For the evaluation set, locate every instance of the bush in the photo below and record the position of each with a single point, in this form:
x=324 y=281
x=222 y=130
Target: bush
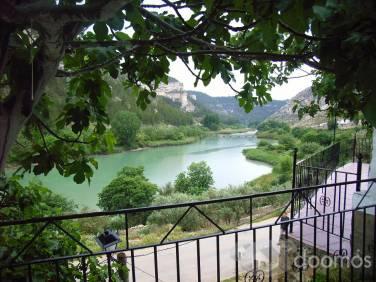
x=211 y=121
x=125 y=126
x=323 y=138
x=263 y=144
x=130 y=189
x=306 y=149
x=298 y=132
x=262 y=155
x=192 y=221
x=148 y=135
x=34 y=200
x=196 y=180
x=272 y=125
x=287 y=142
x=283 y=169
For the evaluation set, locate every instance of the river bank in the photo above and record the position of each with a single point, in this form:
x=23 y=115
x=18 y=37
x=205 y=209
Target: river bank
x=223 y=153
x=173 y=142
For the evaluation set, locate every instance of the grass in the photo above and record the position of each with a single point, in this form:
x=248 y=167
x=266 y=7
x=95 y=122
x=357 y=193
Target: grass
x=232 y=130
x=268 y=135
x=262 y=155
x=169 y=142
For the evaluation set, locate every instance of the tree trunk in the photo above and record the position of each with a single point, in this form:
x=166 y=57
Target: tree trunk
x=15 y=112
x=18 y=109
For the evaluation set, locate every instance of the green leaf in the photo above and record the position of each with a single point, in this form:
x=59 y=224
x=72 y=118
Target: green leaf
x=79 y=177
x=117 y=22
x=101 y=30
x=321 y=12
x=122 y=36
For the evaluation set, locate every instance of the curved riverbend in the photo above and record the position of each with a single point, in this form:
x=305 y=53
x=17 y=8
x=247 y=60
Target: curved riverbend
x=223 y=153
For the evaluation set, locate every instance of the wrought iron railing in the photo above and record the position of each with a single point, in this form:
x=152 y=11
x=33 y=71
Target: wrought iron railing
x=362 y=146
x=315 y=169
x=247 y=252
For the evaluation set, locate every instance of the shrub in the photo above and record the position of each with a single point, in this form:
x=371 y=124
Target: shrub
x=283 y=169
x=34 y=200
x=125 y=126
x=196 y=180
x=309 y=148
x=272 y=125
x=211 y=121
x=192 y=221
x=323 y=138
x=287 y=142
x=129 y=189
x=264 y=144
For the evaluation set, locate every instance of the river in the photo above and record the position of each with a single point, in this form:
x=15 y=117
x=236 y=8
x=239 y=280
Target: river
x=223 y=153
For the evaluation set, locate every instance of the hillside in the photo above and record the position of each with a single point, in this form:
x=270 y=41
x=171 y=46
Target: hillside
x=286 y=114
x=229 y=106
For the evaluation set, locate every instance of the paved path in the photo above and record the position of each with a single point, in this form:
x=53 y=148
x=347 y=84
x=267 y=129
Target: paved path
x=144 y=261
x=332 y=199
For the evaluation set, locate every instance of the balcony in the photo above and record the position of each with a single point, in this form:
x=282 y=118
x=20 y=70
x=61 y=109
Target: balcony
x=328 y=212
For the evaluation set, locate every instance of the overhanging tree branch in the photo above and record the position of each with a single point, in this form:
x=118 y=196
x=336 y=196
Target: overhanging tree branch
x=300 y=34
x=49 y=130
x=92 y=67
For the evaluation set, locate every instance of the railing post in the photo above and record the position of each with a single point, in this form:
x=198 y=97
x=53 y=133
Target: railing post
x=294 y=167
x=354 y=149
x=359 y=172
x=293 y=186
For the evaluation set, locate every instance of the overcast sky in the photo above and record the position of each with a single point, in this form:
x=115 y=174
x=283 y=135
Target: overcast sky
x=218 y=88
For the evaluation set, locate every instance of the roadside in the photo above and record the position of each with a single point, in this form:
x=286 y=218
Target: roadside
x=166 y=256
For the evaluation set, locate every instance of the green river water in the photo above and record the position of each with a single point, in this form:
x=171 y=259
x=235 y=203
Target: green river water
x=223 y=153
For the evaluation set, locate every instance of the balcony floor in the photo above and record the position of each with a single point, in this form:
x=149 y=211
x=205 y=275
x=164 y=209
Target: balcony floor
x=327 y=200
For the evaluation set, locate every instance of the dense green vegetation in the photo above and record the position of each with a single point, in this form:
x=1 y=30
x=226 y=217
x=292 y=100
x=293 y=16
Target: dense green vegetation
x=125 y=125
x=154 y=136
x=129 y=189
x=197 y=179
x=211 y=121
x=34 y=200
x=306 y=140
x=160 y=110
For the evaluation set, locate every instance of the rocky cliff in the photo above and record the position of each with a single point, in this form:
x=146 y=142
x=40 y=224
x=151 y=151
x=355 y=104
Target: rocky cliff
x=286 y=114
x=174 y=91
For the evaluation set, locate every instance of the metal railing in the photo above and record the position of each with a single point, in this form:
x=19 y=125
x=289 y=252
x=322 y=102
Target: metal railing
x=247 y=252
x=316 y=168
x=362 y=146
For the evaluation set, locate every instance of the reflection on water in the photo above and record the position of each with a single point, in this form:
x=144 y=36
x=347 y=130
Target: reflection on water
x=222 y=153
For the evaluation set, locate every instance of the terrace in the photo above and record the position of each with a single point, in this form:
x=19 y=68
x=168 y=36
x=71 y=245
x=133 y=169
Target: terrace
x=329 y=211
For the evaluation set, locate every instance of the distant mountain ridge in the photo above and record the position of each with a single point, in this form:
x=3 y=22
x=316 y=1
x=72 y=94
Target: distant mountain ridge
x=286 y=114
x=229 y=106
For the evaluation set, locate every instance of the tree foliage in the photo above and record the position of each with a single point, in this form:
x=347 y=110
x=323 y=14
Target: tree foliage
x=263 y=40
x=211 y=121
x=130 y=189
x=196 y=180
x=126 y=125
x=34 y=200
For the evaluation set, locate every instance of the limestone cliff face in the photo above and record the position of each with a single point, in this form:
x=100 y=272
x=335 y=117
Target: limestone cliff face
x=286 y=113
x=174 y=90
